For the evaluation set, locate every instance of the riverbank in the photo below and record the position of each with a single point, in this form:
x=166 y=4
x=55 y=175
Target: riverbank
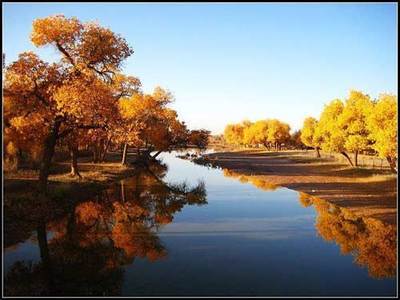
x=22 y=184
x=367 y=192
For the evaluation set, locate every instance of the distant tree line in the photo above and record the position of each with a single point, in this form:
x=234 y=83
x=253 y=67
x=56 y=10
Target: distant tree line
x=270 y=133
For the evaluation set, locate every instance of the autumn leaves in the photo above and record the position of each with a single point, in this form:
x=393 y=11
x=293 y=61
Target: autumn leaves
x=358 y=124
x=84 y=99
x=355 y=125
x=76 y=93
x=271 y=133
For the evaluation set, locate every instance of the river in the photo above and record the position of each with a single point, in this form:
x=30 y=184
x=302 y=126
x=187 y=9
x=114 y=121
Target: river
x=183 y=229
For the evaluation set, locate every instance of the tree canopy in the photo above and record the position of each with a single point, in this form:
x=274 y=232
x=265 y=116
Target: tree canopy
x=355 y=125
x=269 y=132
x=46 y=104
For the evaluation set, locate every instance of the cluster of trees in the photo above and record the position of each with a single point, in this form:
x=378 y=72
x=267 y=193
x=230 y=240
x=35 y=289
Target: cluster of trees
x=271 y=133
x=358 y=124
x=84 y=99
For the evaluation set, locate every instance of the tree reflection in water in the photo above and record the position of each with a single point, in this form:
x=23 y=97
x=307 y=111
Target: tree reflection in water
x=372 y=242
x=94 y=239
x=254 y=180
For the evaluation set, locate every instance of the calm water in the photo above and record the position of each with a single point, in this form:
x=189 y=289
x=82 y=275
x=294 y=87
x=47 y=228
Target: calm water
x=186 y=229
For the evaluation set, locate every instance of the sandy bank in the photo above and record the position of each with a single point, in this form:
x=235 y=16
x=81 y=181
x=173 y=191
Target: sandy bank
x=366 y=192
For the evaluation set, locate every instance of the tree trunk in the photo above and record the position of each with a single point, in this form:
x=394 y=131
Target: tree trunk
x=48 y=152
x=347 y=157
x=157 y=154
x=138 y=188
x=356 y=158
x=147 y=153
x=103 y=156
x=123 y=194
x=318 y=154
x=16 y=160
x=95 y=154
x=45 y=255
x=124 y=154
x=74 y=162
x=42 y=241
x=71 y=225
x=392 y=164
x=20 y=155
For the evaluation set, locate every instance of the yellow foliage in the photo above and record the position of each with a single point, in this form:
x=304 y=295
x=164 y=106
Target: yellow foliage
x=86 y=45
x=264 y=132
x=353 y=121
x=147 y=121
x=234 y=133
x=256 y=133
x=86 y=101
x=328 y=131
x=254 y=180
x=308 y=132
x=50 y=101
x=382 y=125
x=57 y=29
x=357 y=125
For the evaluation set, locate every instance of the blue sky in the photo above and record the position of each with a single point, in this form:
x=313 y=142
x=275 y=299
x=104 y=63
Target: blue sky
x=229 y=62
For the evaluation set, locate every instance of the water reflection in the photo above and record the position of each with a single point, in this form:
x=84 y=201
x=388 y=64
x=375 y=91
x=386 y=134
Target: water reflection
x=130 y=240
x=254 y=180
x=370 y=241
x=92 y=240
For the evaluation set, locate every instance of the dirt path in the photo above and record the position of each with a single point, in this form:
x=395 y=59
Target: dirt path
x=366 y=192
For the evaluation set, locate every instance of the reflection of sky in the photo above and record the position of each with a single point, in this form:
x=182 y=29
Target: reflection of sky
x=242 y=225
x=27 y=250
x=228 y=198
x=254 y=228
x=229 y=264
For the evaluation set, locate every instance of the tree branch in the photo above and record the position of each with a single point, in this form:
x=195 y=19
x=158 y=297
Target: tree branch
x=66 y=54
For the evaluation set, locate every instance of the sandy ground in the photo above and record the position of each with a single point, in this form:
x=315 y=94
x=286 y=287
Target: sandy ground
x=366 y=192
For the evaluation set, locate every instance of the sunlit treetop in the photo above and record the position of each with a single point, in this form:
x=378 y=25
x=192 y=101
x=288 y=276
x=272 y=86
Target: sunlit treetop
x=307 y=132
x=353 y=121
x=125 y=86
x=328 y=131
x=82 y=44
x=163 y=96
x=382 y=123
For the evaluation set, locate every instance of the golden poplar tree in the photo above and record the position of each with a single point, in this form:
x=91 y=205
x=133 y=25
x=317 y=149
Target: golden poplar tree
x=382 y=125
x=308 y=134
x=72 y=93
